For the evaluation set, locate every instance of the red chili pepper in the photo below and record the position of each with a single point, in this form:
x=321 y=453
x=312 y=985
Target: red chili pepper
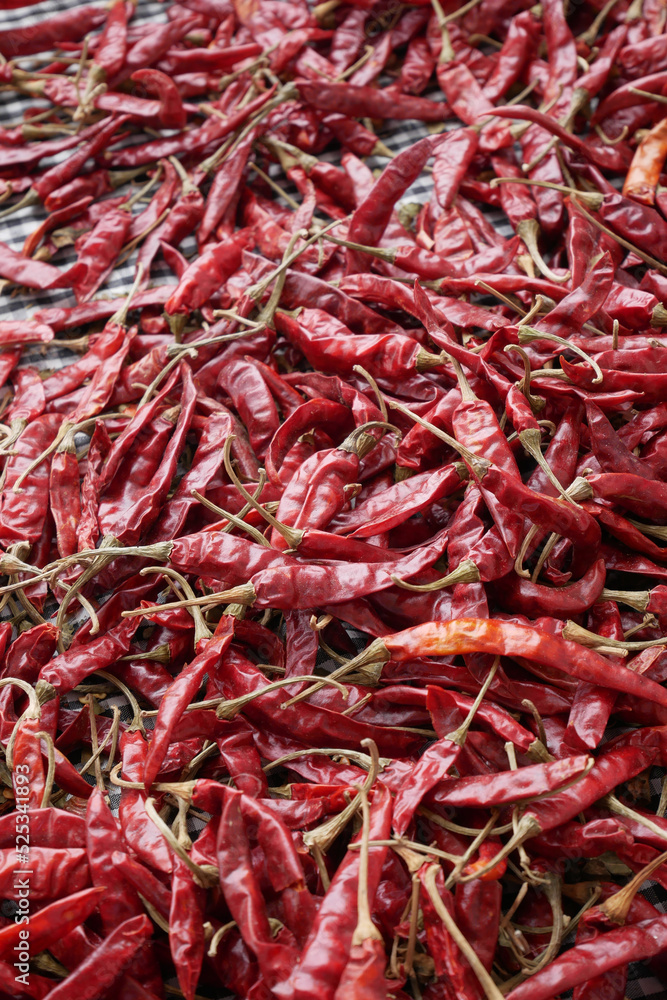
x=68 y=669
x=64 y=172
x=186 y=929
x=325 y=953
x=172 y=113
x=535 y=599
x=507 y=639
x=145 y=840
x=180 y=695
x=616 y=947
x=56 y=871
x=52 y=922
x=154 y=44
x=41 y=37
x=102 y=967
x=97 y=257
x=244 y=900
x=206 y=463
x=217 y=263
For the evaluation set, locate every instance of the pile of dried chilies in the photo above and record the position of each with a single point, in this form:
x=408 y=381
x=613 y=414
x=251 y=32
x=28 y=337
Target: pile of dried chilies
x=343 y=428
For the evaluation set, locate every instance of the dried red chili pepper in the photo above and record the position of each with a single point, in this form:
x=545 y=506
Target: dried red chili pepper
x=102 y=967
x=590 y=959
x=505 y=638
x=41 y=37
x=179 y=696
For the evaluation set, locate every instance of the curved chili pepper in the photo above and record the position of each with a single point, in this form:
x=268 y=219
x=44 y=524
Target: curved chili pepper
x=143 y=838
x=509 y=786
x=389 y=508
x=204 y=275
x=172 y=112
x=325 y=953
x=535 y=599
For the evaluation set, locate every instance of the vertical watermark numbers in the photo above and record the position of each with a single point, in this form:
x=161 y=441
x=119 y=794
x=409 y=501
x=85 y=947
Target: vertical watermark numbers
x=22 y=873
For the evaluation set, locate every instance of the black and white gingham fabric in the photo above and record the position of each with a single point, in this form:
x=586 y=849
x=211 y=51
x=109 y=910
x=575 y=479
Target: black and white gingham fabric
x=15 y=229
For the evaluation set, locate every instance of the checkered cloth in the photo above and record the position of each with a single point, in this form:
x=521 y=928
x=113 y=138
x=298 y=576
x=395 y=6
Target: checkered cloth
x=15 y=229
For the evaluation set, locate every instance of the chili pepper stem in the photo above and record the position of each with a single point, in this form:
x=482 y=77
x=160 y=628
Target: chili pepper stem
x=109 y=738
x=588 y=37
x=537 y=751
x=41 y=458
x=367 y=667
x=120 y=317
x=466 y=831
x=580 y=489
x=16 y=428
x=592 y=198
x=479 y=466
x=205 y=876
x=465 y=572
x=461 y=862
x=637 y=599
x=286 y=93
x=526 y=828
x=550 y=886
x=91 y=571
x=617 y=906
x=323 y=836
x=536 y=403
x=447 y=53
x=382 y=405
x=293 y=536
x=177 y=323
x=527 y=335
x=360 y=442
x=234 y=520
x=458 y=736
x=659 y=315
x=411 y=948
x=654 y=530
x=226 y=928
x=268 y=312
x=136 y=722
x=228 y=709
x=528 y=230
x=202 y=631
x=375 y=653
x=360 y=759
x=623 y=242
x=159 y=654
x=244 y=594
x=613 y=647
x=365 y=929
x=29 y=199
x=51 y=771
x=531 y=440
x=617 y=807
x=257 y=291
